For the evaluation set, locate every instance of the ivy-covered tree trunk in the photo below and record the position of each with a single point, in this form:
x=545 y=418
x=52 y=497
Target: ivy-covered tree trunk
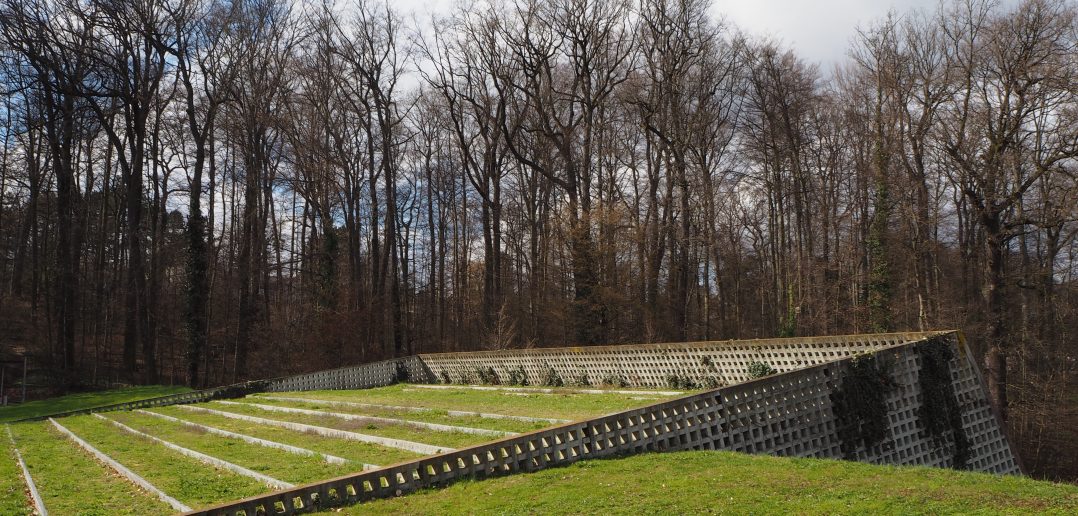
x=879 y=276
x=995 y=360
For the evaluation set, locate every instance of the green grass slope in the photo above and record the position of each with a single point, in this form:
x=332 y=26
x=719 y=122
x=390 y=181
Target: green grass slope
x=13 y=499
x=84 y=400
x=72 y=482
x=733 y=483
x=563 y=404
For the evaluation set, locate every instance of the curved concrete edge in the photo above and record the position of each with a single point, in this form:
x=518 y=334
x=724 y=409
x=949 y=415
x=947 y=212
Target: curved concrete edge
x=332 y=459
x=425 y=449
x=39 y=504
x=376 y=419
x=121 y=469
x=458 y=413
x=202 y=457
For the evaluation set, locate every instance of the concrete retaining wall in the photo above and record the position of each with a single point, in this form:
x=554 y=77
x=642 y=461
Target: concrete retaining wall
x=712 y=363
x=796 y=414
x=365 y=376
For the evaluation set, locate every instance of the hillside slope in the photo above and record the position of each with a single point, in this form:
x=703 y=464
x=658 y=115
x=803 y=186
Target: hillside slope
x=84 y=400
x=733 y=483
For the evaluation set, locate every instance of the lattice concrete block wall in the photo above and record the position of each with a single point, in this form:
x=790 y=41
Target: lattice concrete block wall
x=651 y=365
x=789 y=414
x=375 y=374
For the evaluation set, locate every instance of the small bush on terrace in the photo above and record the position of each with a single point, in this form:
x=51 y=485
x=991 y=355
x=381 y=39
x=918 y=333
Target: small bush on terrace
x=760 y=370
x=615 y=380
x=552 y=378
x=681 y=382
x=518 y=376
x=487 y=376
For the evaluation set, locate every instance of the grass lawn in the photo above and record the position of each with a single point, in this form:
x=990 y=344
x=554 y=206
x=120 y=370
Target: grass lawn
x=732 y=483
x=434 y=416
x=84 y=400
x=183 y=478
x=393 y=431
x=364 y=453
x=279 y=464
x=558 y=405
x=13 y=499
x=72 y=482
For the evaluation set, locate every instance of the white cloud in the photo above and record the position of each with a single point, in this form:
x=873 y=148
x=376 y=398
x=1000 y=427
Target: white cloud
x=819 y=31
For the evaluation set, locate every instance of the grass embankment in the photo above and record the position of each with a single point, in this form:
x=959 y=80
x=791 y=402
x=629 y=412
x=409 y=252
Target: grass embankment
x=562 y=405
x=183 y=478
x=352 y=450
x=433 y=416
x=392 y=431
x=733 y=483
x=71 y=481
x=279 y=464
x=85 y=400
x=13 y=499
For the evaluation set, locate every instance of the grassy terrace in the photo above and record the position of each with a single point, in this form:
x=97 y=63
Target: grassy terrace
x=563 y=404
x=279 y=464
x=351 y=450
x=732 y=483
x=393 y=431
x=434 y=416
x=85 y=400
x=71 y=481
x=183 y=478
x=13 y=499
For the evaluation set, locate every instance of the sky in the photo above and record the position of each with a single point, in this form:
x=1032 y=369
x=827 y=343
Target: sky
x=818 y=30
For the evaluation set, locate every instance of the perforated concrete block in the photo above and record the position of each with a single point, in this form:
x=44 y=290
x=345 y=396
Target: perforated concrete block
x=792 y=413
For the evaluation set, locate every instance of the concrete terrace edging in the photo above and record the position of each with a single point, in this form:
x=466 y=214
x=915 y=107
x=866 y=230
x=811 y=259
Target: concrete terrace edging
x=328 y=432
x=204 y=458
x=121 y=469
x=376 y=419
x=464 y=413
x=551 y=390
x=39 y=504
x=794 y=413
x=238 y=390
x=331 y=459
x=637 y=365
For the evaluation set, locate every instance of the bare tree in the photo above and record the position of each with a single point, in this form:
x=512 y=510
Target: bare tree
x=1004 y=130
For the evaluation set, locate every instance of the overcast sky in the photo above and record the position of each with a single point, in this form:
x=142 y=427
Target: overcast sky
x=819 y=30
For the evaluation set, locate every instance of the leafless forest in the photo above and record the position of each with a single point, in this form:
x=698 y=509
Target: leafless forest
x=206 y=191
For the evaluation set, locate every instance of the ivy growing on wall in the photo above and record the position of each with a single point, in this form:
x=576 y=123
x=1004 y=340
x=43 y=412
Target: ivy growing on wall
x=940 y=412
x=401 y=374
x=860 y=404
x=518 y=376
x=760 y=369
x=487 y=376
x=551 y=378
